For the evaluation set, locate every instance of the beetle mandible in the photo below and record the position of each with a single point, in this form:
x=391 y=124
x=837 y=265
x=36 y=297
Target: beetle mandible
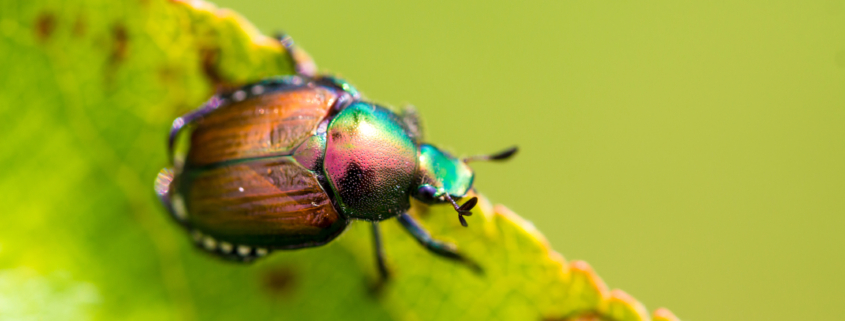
x=289 y=162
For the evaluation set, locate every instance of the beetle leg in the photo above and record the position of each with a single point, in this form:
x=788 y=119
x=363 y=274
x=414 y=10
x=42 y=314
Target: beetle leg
x=379 y=247
x=186 y=119
x=412 y=119
x=384 y=273
x=302 y=63
x=463 y=210
x=174 y=203
x=162 y=189
x=446 y=250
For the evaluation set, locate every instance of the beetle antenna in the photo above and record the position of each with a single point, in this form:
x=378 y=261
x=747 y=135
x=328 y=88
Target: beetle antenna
x=463 y=210
x=503 y=155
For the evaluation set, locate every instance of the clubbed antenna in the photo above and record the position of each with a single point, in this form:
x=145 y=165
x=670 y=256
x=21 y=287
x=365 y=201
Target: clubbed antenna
x=503 y=155
x=463 y=210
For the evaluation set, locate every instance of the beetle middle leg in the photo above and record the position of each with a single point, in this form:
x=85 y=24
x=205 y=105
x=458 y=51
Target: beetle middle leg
x=443 y=249
x=384 y=273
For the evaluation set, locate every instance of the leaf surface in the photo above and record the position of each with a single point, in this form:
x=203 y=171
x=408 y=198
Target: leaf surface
x=89 y=89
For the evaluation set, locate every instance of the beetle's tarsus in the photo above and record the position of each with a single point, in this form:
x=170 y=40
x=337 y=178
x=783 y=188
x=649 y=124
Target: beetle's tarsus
x=443 y=249
x=375 y=288
x=470 y=204
x=463 y=210
x=302 y=64
x=474 y=267
x=283 y=38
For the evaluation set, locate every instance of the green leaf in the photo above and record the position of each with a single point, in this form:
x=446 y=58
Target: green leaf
x=88 y=93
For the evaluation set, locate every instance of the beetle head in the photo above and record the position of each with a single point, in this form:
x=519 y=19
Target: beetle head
x=440 y=176
x=443 y=178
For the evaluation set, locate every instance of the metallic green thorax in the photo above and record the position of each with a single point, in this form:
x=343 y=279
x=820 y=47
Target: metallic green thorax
x=444 y=172
x=371 y=161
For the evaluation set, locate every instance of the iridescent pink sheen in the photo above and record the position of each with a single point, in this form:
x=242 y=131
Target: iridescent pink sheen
x=370 y=161
x=311 y=152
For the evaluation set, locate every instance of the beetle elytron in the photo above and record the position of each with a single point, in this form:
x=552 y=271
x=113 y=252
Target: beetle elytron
x=288 y=162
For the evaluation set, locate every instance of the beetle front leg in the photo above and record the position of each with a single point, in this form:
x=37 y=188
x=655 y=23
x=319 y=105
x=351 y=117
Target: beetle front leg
x=302 y=63
x=446 y=250
x=412 y=119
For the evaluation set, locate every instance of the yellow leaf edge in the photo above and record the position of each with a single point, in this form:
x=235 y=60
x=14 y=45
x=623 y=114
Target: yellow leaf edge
x=613 y=304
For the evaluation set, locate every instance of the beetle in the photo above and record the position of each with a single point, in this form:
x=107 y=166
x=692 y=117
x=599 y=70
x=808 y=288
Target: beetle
x=288 y=162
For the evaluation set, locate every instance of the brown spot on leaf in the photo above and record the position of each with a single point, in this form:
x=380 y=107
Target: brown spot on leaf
x=45 y=25
x=167 y=74
x=279 y=281
x=120 y=42
x=209 y=58
x=118 y=48
x=80 y=26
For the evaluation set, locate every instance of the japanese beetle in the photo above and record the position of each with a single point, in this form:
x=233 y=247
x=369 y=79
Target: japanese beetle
x=289 y=162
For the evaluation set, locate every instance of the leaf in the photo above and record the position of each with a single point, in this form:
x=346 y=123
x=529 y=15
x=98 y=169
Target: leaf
x=88 y=93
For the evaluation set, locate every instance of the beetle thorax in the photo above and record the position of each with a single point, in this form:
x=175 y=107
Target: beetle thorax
x=371 y=162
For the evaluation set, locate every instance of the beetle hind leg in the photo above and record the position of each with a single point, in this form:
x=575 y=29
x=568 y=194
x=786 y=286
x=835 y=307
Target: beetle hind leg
x=174 y=203
x=443 y=249
x=162 y=188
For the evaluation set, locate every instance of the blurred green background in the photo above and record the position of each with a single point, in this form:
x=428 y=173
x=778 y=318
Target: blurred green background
x=693 y=153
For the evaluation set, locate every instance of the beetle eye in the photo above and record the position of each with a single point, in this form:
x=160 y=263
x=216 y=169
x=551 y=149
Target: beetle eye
x=427 y=192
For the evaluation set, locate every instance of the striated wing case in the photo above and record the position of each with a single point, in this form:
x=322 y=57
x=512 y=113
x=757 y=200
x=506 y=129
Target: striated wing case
x=241 y=182
x=271 y=124
x=272 y=202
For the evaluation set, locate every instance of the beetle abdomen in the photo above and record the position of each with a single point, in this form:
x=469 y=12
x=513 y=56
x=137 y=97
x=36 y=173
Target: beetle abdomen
x=270 y=124
x=271 y=202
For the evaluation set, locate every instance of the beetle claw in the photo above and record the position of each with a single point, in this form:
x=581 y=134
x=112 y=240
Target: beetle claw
x=463 y=210
x=468 y=205
x=463 y=221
